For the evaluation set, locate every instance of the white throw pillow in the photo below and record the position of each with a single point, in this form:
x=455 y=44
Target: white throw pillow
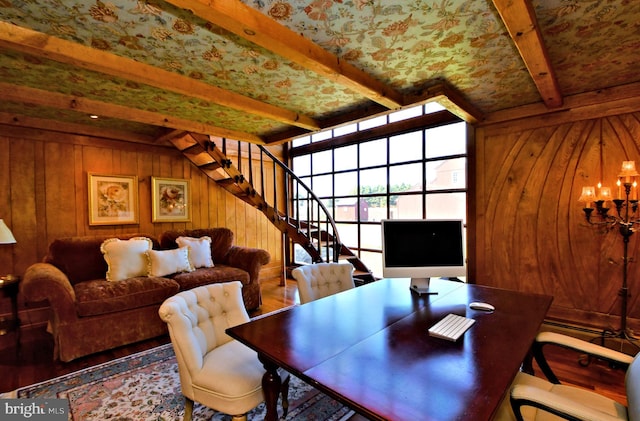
x=126 y=258
x=200 y=250
x=166 y=262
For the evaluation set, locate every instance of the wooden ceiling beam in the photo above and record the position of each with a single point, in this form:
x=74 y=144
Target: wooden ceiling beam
x=616 y=100
x=41 y=45
x=250 y=24
x=442 y=93
x=350 y=117
x=170 y=135
x=520 y=20
x=32 y=96
x=445 y=95
x=18 y=120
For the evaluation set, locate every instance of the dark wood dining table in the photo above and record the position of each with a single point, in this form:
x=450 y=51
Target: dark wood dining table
x=369 y=348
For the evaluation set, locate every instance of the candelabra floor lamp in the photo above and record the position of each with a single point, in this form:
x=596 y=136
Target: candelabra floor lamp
x=626 y=208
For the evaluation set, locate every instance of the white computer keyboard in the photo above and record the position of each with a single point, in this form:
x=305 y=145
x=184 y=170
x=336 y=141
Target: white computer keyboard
x=451 y=327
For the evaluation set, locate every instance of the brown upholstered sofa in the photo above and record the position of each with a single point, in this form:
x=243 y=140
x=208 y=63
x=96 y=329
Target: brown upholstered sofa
x=90 y=313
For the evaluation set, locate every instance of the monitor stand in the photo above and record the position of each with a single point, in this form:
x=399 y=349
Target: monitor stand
x=421 y=286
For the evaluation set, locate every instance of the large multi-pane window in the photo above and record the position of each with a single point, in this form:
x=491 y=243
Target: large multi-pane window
x=412 y=174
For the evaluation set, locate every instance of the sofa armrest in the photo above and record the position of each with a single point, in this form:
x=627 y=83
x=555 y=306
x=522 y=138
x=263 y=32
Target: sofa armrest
x=44 y=281
x=249 y=259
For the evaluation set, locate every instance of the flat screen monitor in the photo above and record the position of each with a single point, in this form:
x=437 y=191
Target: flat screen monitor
x=421 y=249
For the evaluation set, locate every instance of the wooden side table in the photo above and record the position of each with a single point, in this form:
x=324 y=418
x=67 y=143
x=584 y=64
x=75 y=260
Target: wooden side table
x=9 y=288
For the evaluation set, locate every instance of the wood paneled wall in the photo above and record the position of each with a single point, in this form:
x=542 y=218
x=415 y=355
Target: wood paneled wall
x=531 y=230
x=43 y=192
x=527 y=174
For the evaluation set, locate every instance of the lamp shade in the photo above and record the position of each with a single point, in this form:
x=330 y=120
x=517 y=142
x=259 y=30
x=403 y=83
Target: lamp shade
x=605 y=193
x=628 y=169
x=6 y=236
x=588 y=194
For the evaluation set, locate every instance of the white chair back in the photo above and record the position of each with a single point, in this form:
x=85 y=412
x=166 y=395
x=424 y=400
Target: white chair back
x=632 y=386
x=322 y=279
x=197 y=320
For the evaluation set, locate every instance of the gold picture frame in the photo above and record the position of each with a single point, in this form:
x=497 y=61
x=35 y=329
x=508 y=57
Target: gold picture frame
x=113 y=199
x=171 y=199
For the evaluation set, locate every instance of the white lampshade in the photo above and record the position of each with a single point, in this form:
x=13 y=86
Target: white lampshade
x=605 y=193
x=628 y=169
x=588 y=194
x=6 y=236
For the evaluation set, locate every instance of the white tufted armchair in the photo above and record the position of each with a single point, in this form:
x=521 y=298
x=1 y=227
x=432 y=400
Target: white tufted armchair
x=215 y=370
x=322 y=279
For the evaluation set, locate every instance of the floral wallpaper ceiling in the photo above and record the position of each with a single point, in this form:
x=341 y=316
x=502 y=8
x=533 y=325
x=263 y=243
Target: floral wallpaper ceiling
x=405 y=44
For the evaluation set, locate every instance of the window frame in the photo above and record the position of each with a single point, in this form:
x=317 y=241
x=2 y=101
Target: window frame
x=386 y=131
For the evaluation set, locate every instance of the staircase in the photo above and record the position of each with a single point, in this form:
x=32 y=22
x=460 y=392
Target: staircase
x=302 y=218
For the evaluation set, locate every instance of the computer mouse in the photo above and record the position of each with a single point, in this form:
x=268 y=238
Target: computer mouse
x=481 y=306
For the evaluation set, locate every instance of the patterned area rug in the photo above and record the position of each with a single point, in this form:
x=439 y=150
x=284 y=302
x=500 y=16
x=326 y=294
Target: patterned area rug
x=146 y=386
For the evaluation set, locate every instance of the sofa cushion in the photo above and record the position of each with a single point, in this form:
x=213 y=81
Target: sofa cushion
x=204 y=276
x=199 y=250
x=101 y=296
x=221 y=240
x=166 y=262
x=80 y=258
x=126 y=258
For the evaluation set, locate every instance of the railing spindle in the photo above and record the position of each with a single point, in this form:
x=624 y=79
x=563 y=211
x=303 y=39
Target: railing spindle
x=286 y=199
x=275 y=190
x=319 y=229
x=309 y=215
x=261 y=172
x=250 y=162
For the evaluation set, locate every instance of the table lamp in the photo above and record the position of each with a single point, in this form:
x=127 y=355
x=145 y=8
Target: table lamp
x=6 y=237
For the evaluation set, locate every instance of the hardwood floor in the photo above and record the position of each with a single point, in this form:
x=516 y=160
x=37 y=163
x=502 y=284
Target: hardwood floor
x=34 y=363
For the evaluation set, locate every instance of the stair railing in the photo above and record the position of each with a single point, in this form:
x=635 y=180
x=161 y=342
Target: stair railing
x=317 y=225
x=314 y=230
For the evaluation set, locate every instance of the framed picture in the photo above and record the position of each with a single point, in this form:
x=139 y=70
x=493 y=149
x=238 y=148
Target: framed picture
x=170 y=197
x=113 y=199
